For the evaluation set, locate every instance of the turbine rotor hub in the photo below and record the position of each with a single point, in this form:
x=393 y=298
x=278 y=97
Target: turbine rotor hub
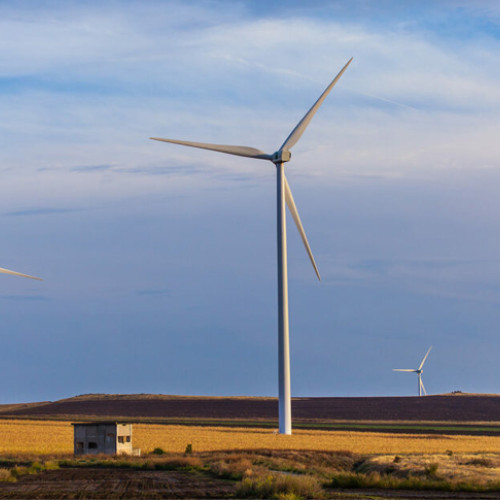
x=281 y=156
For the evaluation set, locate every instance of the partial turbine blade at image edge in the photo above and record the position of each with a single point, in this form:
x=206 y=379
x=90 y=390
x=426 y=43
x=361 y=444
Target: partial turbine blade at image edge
x=297 y=132
x=425 y=357
x=403 y=370
x=7 y=271
x=295 y=214
x=245 y=151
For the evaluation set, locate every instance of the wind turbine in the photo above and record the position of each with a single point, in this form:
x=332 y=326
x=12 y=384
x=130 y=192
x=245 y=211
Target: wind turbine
x=418 y=371
x=284 y=195
x=8 y=271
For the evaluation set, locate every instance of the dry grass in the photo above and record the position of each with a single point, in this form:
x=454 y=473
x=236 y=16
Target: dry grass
x=287 y=474
x=5 y=475
x=175 y=438
x=56 y=438
x=32 y=437
x=462 y=467
x=278 y=486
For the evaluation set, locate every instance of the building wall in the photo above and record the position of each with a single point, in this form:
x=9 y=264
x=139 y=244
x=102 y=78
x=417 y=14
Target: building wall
x=103 y=438
x=124 y=439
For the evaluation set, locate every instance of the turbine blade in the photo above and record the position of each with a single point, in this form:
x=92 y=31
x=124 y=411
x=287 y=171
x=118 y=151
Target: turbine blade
x=402 y=370
x=295 y=214
x=7 y=271
x=221 y=148
x=297 y=132
x=425 y=357
x=422 y=385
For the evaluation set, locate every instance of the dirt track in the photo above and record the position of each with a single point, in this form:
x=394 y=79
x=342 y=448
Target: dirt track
x=456 y=408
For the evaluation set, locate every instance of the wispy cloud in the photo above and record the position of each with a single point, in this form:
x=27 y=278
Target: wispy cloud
x=153 y=291
x=90 y=168
x=247 y=79
x=476 y=280
x=27 y=298
x=41 y=211
x=169 y=170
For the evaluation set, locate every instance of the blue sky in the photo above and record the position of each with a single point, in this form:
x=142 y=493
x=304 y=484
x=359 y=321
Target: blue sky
x=159 y=262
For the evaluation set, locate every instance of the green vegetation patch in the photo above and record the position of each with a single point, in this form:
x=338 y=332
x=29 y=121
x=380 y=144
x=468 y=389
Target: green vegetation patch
x=280 y=486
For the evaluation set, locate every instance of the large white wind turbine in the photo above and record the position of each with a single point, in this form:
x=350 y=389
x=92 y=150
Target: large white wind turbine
x=8 y=271
x=284 y=195
x=418 y=371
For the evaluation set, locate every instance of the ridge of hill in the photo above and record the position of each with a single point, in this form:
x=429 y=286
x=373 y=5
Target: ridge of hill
x=21 y=406
x=145 y=396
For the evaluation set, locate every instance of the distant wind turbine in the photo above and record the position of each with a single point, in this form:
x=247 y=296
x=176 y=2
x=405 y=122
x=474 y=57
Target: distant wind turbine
x=418 y=371
x=284 y=195
x=7 y=271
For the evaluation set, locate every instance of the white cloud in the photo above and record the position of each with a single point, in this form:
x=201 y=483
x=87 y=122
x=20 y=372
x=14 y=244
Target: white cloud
x=94 y=82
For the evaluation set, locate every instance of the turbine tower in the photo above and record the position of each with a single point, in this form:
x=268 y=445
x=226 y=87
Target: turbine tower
x=418 y=371
x=284 y=195
x=7 y=271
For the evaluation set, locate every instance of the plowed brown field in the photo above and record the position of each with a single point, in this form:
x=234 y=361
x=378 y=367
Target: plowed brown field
x=450 y=408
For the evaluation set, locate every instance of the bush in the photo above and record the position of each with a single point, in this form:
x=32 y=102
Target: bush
x=279 y=486
x=35 y=468
x=17 y=472
x=5 y=475
x=189 y=449
x=480 y=462
x=431 y=470
x=346 y=480
x=179 y=463
x=51 y=465
x=235 y=469
x=158 y=451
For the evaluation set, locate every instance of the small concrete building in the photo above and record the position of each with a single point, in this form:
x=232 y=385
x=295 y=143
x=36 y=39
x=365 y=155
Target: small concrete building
x=113 y=438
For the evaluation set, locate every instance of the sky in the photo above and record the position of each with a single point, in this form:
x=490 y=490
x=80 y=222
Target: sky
x=159 y=262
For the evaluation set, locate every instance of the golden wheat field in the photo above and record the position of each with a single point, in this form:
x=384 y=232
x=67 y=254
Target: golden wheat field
x=56 y=438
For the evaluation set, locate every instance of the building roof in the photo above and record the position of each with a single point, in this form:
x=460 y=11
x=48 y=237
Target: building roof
x=101 y=423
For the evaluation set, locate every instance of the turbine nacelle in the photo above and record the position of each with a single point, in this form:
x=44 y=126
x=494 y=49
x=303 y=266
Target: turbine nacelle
x=281 y=156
